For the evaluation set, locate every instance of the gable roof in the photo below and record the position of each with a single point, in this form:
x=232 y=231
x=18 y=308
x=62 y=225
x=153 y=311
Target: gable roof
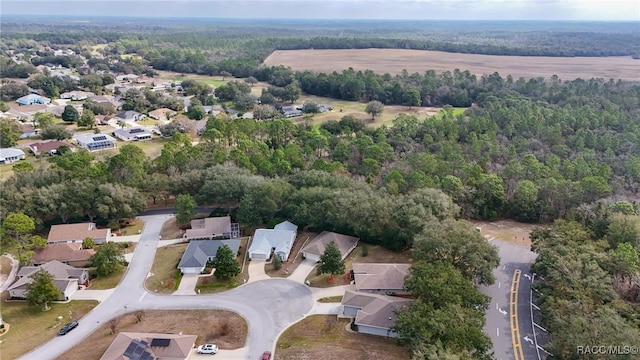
x=318 y=245
x=375 y=310
x=62 y=252
x=199 y=251
x=11 y=152
x=91 y=138
x=47 y=146
x=172 y=346
x=161 y=113
x=128 y=114
x=66 y=232
x=209 y=226
x=58 y=270
x=375 y=276
x=281 y=240
x=133 y=131
x=286 y=225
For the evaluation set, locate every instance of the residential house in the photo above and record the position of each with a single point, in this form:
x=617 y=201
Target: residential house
x=76 y=233
x=68 y=253
x=102 y=119
x=379 y=278
x=162 y=114
x=114 y=101
x=130 y=115
x=324 y=108
x=278 y=240
x=212 y=228
x=149 y=346
x=48 y=147
x=199 y=252
x=95 y=142
x=77 y=95
x=33 y=99
x=373 y=314
x=133 y=134
x=291 y=111
x=66 y=278
x=127 y=77
x=10 y=155
x=316 y=247
x=27 y=112
x=28 y=130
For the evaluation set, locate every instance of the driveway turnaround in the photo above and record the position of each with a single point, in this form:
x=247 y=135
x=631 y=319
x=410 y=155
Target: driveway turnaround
x=269 y=306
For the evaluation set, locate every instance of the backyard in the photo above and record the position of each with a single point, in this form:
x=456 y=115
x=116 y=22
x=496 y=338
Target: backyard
x=326 y=337
x=226 y=329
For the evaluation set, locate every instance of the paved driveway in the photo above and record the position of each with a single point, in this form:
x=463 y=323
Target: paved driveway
x=302 y=271
x=187 y=285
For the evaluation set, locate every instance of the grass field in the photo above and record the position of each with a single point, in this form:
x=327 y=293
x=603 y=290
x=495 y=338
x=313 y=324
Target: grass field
x=31 y=327
x=165 y=275
x=226 y=329
x=325 y=337
x=393 y=61
x=109 y=281
x=214 y=81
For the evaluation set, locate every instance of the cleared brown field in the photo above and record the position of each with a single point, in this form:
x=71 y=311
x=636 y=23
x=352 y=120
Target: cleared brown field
x=393 y=61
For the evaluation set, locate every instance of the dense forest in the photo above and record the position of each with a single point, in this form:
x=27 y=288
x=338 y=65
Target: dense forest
x=535 y=150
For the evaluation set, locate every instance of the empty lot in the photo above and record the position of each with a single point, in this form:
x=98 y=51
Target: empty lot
x=392 y=61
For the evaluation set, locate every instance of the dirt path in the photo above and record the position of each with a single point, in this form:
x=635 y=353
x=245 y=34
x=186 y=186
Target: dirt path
x=507 y=230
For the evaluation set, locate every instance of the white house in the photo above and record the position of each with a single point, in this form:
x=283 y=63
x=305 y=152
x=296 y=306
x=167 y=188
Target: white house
x=95 y=142
x=77 y=95
x=10 y=155
x=373 y=314
x=316 y=247
x=278 y=240
x=199 y=252
x=133 y=134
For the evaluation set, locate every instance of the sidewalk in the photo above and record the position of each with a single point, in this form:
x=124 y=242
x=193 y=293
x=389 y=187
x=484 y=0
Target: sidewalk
x=99 y=295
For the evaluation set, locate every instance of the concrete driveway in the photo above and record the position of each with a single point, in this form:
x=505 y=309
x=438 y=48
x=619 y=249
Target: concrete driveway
x=187 y=285
x=6 y=282
x=302 y=271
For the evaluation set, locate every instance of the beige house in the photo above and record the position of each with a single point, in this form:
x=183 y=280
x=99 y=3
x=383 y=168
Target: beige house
x=212 y=228
x=66 y=278
x=378 y=278
x=316 y=247
x=69 y=253
x=76 y=233
x=373 y=314
x=129 y=345
x=162 y=114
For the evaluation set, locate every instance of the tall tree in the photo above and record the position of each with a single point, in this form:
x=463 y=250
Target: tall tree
x=42 y=289
x=185 y=209
x=87 y=119
x=225 y=263
x=331 y=261
x=70 y=114
x=16 y=230
x=107 y=259
x=10 y=132
x=374 y=108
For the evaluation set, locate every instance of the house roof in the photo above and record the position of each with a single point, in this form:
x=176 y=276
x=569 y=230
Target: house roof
x=47 y=146
x=286 y=225
x=318 y=245
x=198 y=251
x=33 y=97
x=375 y=276
x=80 y=231
x=209 y=226
x=161 y=113
x=57 y=269
x=158 y=346
x=10 y=152
x=132 y=132
x=62 y=252
x=89 y=138
x=266 y=239
x=28 y=128
x=128 y=114
x=375 y=310
x=30 y=109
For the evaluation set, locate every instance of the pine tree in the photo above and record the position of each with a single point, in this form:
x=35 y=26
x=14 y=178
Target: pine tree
x=41 y=289
x=331 y=261
x=225 y=263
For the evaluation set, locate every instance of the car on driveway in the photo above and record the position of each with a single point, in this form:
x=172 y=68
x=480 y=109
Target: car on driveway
x=68 y=327
x=208 y=349
x=266 y=355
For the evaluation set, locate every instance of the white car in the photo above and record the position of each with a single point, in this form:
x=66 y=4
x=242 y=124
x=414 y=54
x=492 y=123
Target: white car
x=208 y=349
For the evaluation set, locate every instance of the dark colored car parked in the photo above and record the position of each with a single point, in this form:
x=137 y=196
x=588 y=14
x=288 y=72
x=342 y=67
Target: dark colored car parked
x=68 y=327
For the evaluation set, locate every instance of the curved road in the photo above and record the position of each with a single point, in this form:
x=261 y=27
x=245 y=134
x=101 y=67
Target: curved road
x=269 y=306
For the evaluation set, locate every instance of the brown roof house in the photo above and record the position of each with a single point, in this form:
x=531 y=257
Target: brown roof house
x=48 y=147
x=76 y=233
x=69 y=253
x=316 y=247
x=67 y=278
x=372 y=313
x=212 y=228
x=162 y=114
x=377 y=278
x=149 y=346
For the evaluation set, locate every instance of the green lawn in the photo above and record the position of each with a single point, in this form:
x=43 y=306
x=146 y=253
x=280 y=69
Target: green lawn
x=149 y=121
x=30 y=327
x=109 y=281
x=166 y=276
x=152 y=148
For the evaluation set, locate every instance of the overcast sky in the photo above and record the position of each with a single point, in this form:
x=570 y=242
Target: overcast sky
x=338 y=9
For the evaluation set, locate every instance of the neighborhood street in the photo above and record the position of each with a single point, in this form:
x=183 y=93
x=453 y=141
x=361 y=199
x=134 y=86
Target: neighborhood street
x=269 y=306
x=513 y=257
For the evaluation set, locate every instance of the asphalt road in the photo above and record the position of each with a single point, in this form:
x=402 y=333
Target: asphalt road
x=512 y=257
x=269 y=306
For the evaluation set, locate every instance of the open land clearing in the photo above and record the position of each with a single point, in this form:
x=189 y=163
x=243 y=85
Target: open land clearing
x=393 y=61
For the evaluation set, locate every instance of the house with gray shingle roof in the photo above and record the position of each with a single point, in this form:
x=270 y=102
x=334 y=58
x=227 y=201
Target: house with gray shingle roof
x=373 y=314
x=378 y=278
x=316 y=247
x=199 y=252
x=66 y=278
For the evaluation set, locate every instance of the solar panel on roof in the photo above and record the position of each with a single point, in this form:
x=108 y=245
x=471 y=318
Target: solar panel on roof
x=98 y=138
x=160 y=342
x=135 y=349
x=146 y=356
x=135 y=131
